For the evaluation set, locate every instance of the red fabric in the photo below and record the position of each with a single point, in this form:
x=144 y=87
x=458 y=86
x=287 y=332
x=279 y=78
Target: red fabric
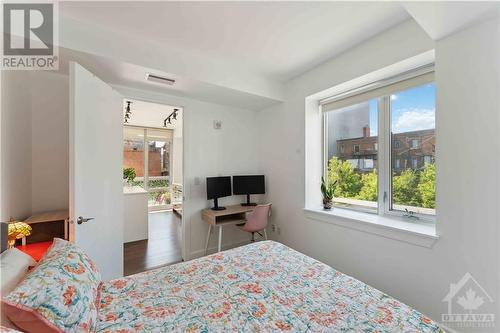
x=36 y=250
x=27 y=319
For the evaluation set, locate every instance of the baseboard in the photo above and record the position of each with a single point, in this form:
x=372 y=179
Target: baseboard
x=213 y=249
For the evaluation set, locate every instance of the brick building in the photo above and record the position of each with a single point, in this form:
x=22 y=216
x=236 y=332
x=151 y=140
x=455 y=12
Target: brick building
x=158 y=161
x=409 y=150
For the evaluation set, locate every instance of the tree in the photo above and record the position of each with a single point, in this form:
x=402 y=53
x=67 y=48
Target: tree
x=404 y=188
x=369 y=191
x=348 y=182
x=427 y=186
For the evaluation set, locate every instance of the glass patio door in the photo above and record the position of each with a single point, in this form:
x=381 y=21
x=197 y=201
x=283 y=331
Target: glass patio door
x=148 y=151
x=159 y=144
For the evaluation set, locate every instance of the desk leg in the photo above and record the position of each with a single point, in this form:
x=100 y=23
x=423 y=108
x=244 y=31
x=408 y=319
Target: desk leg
x=220 y=239
x=208 y=238
x=66 y=236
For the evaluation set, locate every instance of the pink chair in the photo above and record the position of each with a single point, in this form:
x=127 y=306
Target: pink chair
x=257 y=221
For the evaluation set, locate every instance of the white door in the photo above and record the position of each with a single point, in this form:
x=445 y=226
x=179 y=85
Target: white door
x=96 y=170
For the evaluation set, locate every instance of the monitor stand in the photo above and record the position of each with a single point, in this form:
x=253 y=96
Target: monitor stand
x=216 y=205
x=248 y=203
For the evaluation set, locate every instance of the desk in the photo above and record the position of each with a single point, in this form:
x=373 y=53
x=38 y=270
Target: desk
x=234 y=214
x=48 y=217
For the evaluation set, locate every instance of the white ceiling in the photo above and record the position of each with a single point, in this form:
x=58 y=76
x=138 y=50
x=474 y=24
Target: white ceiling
x=152 y=114
x=276 y=39
x=441 y=18
x=235 y=53
x=123 y=74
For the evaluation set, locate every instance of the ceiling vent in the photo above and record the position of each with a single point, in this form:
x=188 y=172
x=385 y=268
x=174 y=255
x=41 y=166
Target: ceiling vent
x=159 y=79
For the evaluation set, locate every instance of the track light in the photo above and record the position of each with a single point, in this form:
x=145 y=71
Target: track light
x=171 y=116
x=128 y=112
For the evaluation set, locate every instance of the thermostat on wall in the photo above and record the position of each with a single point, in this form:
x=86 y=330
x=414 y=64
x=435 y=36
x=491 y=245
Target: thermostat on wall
x=217 y=124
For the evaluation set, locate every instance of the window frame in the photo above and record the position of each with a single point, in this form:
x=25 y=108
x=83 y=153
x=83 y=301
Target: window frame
x=384 y=202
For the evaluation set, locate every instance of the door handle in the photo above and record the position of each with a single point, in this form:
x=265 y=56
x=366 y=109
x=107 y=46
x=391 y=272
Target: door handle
x=82 y=219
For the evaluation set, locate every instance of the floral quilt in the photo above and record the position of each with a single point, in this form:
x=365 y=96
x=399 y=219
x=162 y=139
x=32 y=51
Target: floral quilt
x=261 y=287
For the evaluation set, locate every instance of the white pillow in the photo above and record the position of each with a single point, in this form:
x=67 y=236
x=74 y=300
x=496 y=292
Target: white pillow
x=14 y=265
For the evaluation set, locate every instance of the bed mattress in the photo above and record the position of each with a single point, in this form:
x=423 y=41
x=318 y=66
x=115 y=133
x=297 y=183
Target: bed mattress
x=261 y=287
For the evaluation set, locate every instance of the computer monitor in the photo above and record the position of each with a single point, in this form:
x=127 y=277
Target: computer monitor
x=218 y=187
x=249 y=185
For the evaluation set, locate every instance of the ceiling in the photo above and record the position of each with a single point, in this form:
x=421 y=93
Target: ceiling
x=279 y=40
x=240 y=54
x=123 y=74
x=152 y=114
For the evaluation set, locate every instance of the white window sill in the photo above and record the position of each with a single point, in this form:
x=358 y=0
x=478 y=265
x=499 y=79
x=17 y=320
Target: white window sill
x=417 y=232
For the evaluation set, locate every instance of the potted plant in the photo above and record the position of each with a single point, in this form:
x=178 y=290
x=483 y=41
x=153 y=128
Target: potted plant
x=327 y=190
x=128 y=175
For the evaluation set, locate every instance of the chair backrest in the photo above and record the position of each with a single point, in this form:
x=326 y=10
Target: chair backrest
x=258 y=219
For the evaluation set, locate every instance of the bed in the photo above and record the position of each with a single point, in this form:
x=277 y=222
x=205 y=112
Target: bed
x=261 y=287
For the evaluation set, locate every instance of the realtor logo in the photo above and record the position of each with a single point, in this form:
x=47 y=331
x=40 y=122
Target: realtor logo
x=466 y=299
x=29 y=36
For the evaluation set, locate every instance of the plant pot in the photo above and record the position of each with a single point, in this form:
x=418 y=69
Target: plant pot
x=327 y=204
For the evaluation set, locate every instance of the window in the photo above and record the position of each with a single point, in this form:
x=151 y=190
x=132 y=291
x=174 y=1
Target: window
x=413 y=117
x=159 y=155
x=414 y=163
x=133 y=153
x=397 y=175
x=414 y=143
x=151 y=165
x=355 y=172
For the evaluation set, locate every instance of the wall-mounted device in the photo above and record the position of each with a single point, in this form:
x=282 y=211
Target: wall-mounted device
x=159 y=79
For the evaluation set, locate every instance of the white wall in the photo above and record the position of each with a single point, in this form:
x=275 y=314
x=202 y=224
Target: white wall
x=209 y=152
x=467 y=160
x=16 y=145
x=34 y=143
x=50 y=141
x=177 y=155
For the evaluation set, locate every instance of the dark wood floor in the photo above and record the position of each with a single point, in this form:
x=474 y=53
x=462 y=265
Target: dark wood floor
x=162 y=248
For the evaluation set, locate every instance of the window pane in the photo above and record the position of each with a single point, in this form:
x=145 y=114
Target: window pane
x=352 y=150
x=412 y=150
x=133 y=154
x=159 y=145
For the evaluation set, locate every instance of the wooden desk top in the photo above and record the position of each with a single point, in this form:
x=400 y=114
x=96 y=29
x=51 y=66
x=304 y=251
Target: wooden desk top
x=238 y=211
x=232 y=209
x=60 y=215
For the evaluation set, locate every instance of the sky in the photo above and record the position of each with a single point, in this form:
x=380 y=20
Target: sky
x=412 y=110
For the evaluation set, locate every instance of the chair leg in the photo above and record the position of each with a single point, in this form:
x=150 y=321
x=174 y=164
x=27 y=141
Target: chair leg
x=253 y=237
x=265 y=234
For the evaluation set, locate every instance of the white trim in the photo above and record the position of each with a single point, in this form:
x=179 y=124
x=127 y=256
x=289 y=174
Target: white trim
x=416 y=233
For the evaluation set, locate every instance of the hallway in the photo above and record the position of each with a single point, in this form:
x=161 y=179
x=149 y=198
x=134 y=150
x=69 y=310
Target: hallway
x=162 y=248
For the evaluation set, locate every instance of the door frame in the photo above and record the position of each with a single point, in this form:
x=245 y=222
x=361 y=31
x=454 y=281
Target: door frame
x=185 y=230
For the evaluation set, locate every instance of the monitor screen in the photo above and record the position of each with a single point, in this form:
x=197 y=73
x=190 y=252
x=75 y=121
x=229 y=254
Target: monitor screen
x=249 y=184
x=218 y=187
